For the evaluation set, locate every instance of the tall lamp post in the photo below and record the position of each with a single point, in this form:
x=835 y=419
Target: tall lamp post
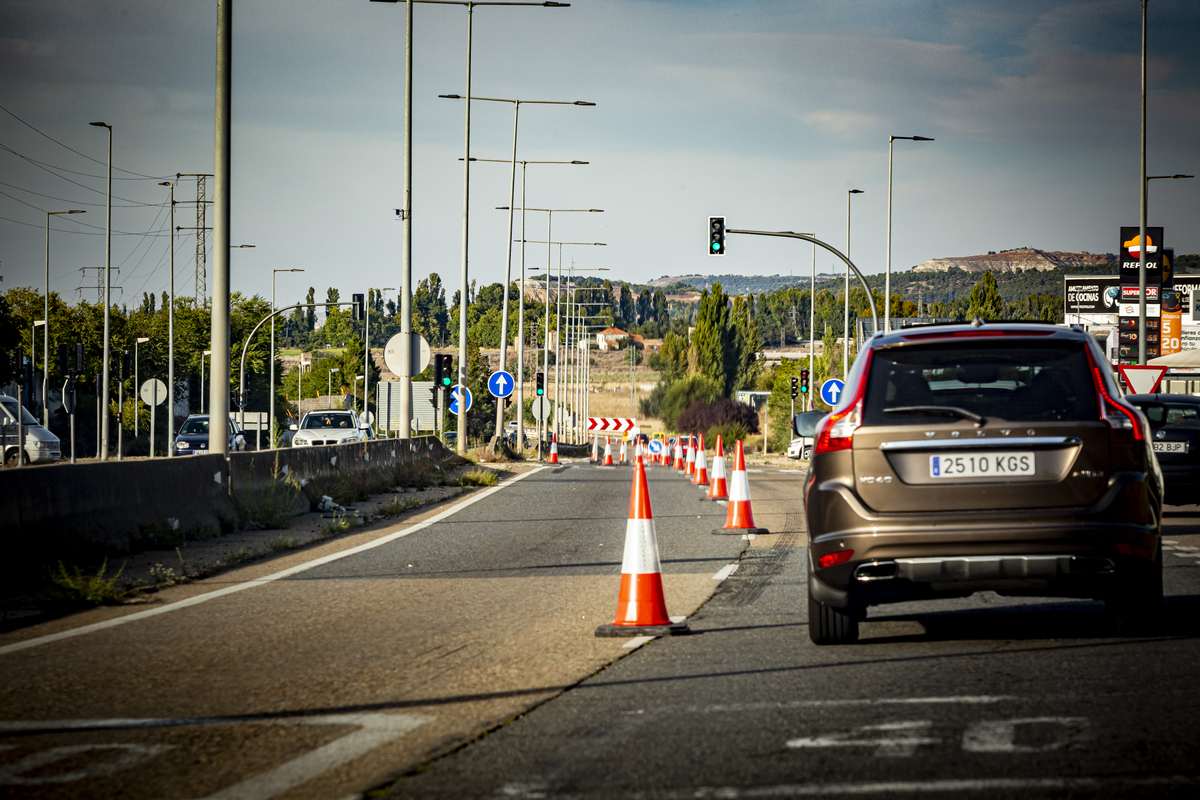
x=137 y=385
x=871 y=300
x=104 y=370
x=367 y=348
x=271 y=410
x=887 y=272
x=202 y=355
x=46 y=333
x=37 y=323
x=512 y=188
x=171 y=325
x=1142 y=257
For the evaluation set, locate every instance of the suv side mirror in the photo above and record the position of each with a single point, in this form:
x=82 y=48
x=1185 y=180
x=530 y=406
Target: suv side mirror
x=293 y=427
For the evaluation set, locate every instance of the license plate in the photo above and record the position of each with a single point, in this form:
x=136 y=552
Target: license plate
x=1170 y=447
x=980 y=465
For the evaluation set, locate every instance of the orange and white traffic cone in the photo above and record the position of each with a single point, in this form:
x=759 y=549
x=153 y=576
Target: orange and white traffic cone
x=607 y=452
x=641 y=606
x=623 y=459
x=595 y=449
x=717 y=489
x=701 y=476
x=739 y=518
x=678 y=454
x=553 y=459
x=690 y=458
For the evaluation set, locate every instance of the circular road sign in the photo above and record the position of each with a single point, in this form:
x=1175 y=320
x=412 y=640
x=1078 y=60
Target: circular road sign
x=831 y=391
x=656 y=446
x=541 y=409
x=153 y=392
x=501 y=383
x=420 y=354
x=454 y=390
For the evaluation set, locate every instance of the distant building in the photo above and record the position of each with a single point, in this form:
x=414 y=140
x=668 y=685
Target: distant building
x=607 y=338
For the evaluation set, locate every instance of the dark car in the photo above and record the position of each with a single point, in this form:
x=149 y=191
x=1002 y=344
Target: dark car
x=192 y=436
x=989 y=456
x=1175 y=435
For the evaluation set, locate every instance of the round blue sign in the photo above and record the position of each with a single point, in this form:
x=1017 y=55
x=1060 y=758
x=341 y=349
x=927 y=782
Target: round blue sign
x=454 y=398
x=831 y=391
x=501 y=383
x=656 y=446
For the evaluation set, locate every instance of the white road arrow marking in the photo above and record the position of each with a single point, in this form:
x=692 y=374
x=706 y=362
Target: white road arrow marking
x=890 y=740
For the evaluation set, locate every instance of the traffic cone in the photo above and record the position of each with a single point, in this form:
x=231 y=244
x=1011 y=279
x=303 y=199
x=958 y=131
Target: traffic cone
x=607 y=452
x=622 y=462
x=690 y=458
x=739 y=518
x=553 y=449
x=595 y=449
x=641 y=607
x=678 y=453
x=717 y=489
x=701 y=476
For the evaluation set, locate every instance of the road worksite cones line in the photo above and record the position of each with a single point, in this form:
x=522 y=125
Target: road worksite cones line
x=717 y=490
x=624 y=460
x=607 y=452
x=701 y=476
x=678 y=454
x=690 y=460
x=739 y=518
x=595 y=449
x=641 y=606
x=553 y=449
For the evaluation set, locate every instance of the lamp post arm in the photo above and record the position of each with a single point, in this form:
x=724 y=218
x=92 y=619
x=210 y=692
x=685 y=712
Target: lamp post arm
x=830 y=248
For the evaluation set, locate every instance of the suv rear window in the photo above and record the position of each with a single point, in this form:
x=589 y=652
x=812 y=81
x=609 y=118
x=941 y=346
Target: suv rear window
x=1182 y=415
x=1029 y=381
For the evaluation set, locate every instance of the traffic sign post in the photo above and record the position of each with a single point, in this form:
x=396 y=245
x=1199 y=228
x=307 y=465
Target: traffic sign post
x=831 y=391
x=611 y=424
x=1142 y=379
x=152 y=393
x=454 y=395
x=501 y=384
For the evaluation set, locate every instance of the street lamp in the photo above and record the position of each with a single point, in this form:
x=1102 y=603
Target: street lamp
x=521 y=292
x=1142 y=244
x=367 y=342
x=271 y=410
x=887 y=274
x=171 y=323
x=107 y=302
x=512 y=185
x=202 y=355
x=354 y=389
x=329 y=391
x=46 y=333
x=37 y=323
x=871 y=300
x=137 y=386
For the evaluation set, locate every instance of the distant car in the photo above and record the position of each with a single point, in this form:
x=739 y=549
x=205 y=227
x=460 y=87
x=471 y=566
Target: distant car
x=1175 y=436
x=804 y=426
x=192 y=436
x=329 y=427
x=41 y=446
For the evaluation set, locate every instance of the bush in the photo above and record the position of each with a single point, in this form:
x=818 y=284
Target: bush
x=682 y=394
x=729 y=415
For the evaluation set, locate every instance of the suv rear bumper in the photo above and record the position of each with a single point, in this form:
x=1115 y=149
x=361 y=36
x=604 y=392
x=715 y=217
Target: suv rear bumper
x=1069 y=552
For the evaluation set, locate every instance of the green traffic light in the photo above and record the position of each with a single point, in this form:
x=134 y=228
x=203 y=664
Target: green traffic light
x=716 y=245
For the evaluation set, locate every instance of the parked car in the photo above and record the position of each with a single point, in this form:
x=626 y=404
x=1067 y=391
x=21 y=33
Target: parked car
x=40 y=446
x=804 y=427
x=1175 y=435
x=329 y=427
x=989 y=456
x=192 y=436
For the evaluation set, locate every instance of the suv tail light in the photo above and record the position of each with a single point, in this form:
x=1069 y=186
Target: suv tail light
x=836 y=431
x=1124 y=420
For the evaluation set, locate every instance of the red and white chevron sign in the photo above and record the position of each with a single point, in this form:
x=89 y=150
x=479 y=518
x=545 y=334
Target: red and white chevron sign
x=613 y=424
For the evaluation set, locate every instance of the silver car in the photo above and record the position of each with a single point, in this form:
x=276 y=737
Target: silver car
x=329 y=427
x=41 y=446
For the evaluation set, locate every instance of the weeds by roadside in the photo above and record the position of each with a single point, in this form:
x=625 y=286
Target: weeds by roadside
x=164 y=574
x=281 y=543
x=339 y=524
x=398 y=506
x=94 y=589
x=478 y=477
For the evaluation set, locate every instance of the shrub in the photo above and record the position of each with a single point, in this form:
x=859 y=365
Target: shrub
x=729 y=415
x=682 y=394
x=94 y=589
x=478 y=477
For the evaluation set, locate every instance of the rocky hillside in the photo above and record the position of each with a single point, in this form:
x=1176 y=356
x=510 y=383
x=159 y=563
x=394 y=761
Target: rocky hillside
x=1020 y=259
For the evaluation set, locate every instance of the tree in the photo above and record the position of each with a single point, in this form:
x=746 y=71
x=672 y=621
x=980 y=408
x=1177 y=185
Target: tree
x=310 y=314
x=714 y=340
x=985 y=301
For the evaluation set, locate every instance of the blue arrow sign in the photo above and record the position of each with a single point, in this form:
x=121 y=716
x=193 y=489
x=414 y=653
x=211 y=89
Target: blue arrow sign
x=655 y=446
x=454 y=398
x=831 y=391
x=501 y=383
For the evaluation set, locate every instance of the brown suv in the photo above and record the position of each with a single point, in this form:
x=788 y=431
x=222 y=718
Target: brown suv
x=963 y=458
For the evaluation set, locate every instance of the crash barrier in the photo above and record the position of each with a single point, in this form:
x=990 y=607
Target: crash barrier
x=81 y=513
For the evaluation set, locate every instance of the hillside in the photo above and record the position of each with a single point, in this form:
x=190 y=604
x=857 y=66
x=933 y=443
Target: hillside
x=1021 y=259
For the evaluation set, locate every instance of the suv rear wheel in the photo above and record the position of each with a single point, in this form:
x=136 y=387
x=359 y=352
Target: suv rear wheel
x=829 y=625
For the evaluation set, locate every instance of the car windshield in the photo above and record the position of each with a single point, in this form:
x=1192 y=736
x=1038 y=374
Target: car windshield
x=806 y=423
x=194 y=426
x=314 y=421
x=10 y=405
x=1029 y=381
x=1173 y=415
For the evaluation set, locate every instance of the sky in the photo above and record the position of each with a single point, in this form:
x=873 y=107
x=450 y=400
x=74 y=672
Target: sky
x=764 y=111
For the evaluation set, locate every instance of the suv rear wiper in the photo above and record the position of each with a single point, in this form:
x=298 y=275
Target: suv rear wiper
x=952 y=410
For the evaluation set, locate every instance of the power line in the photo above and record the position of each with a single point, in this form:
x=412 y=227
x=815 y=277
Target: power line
x=76 y=152
x=72 y=202
x=47 y=168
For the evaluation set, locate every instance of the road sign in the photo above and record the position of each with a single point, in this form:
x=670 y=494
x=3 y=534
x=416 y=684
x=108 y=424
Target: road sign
x=611 y=424
x=454 y=390
x=831 y=391
x=153 y=392
x=1142 y=380
x=501 y=383
x=541 y=409
x=656 y=446
x=420 y=354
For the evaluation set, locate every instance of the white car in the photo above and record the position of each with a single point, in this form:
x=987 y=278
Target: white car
x=333 y=426
x=804 y=428
x=41 y=446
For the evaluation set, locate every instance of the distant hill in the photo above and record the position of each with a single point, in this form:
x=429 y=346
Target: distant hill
x=1020 y=259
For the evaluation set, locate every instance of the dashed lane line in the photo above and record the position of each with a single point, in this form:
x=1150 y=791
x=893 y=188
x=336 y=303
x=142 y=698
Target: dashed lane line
x=317 y=562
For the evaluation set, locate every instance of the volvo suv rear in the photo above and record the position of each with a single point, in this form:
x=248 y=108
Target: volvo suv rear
x=989 y=456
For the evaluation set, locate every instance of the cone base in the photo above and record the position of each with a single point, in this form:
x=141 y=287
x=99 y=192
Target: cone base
x=740 y=531
x=611 y=631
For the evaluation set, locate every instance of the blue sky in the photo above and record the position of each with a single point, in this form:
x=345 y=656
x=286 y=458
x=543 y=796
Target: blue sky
x=766 y=112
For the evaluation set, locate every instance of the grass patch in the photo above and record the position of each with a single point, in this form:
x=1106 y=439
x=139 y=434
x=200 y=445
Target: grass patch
x=478 y=477
x=398 y=507
x=242 y=554
x=340 y=524
x=95 y=589
x=281 y=543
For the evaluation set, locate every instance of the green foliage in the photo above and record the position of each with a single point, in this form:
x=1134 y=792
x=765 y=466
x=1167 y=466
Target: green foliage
x=92 y=589
x=985 y=301
x=478 y=477
x=398 y=506
x=681 y=394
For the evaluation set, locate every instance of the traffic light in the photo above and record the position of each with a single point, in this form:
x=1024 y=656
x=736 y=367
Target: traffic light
x=795 y=387
x=357 y=308
x=19 y=362
x=235 y=400
x=437 y=370
x=447 y=370
x=804 y=381
x=126 y=364
x=79 y=358
x=541 y=384
x=716 y=236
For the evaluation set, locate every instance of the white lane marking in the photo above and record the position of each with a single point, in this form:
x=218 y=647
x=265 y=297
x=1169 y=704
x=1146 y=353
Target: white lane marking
x=1186 y=547
x=783 y=705
x=791 y=470
x=999 y=736
x=679 y=619
x=890 y=740
x=1170 y=541
x=1185 y=555
x=915 y=788
x=317 y=562
x=637 y=641
x=755 y=470
x=725 y=572
x=129 y=755
x=373 y=730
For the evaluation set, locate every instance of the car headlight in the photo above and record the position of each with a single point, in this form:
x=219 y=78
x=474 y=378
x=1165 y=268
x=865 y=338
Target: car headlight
x=300 y=440
x=182 y=445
